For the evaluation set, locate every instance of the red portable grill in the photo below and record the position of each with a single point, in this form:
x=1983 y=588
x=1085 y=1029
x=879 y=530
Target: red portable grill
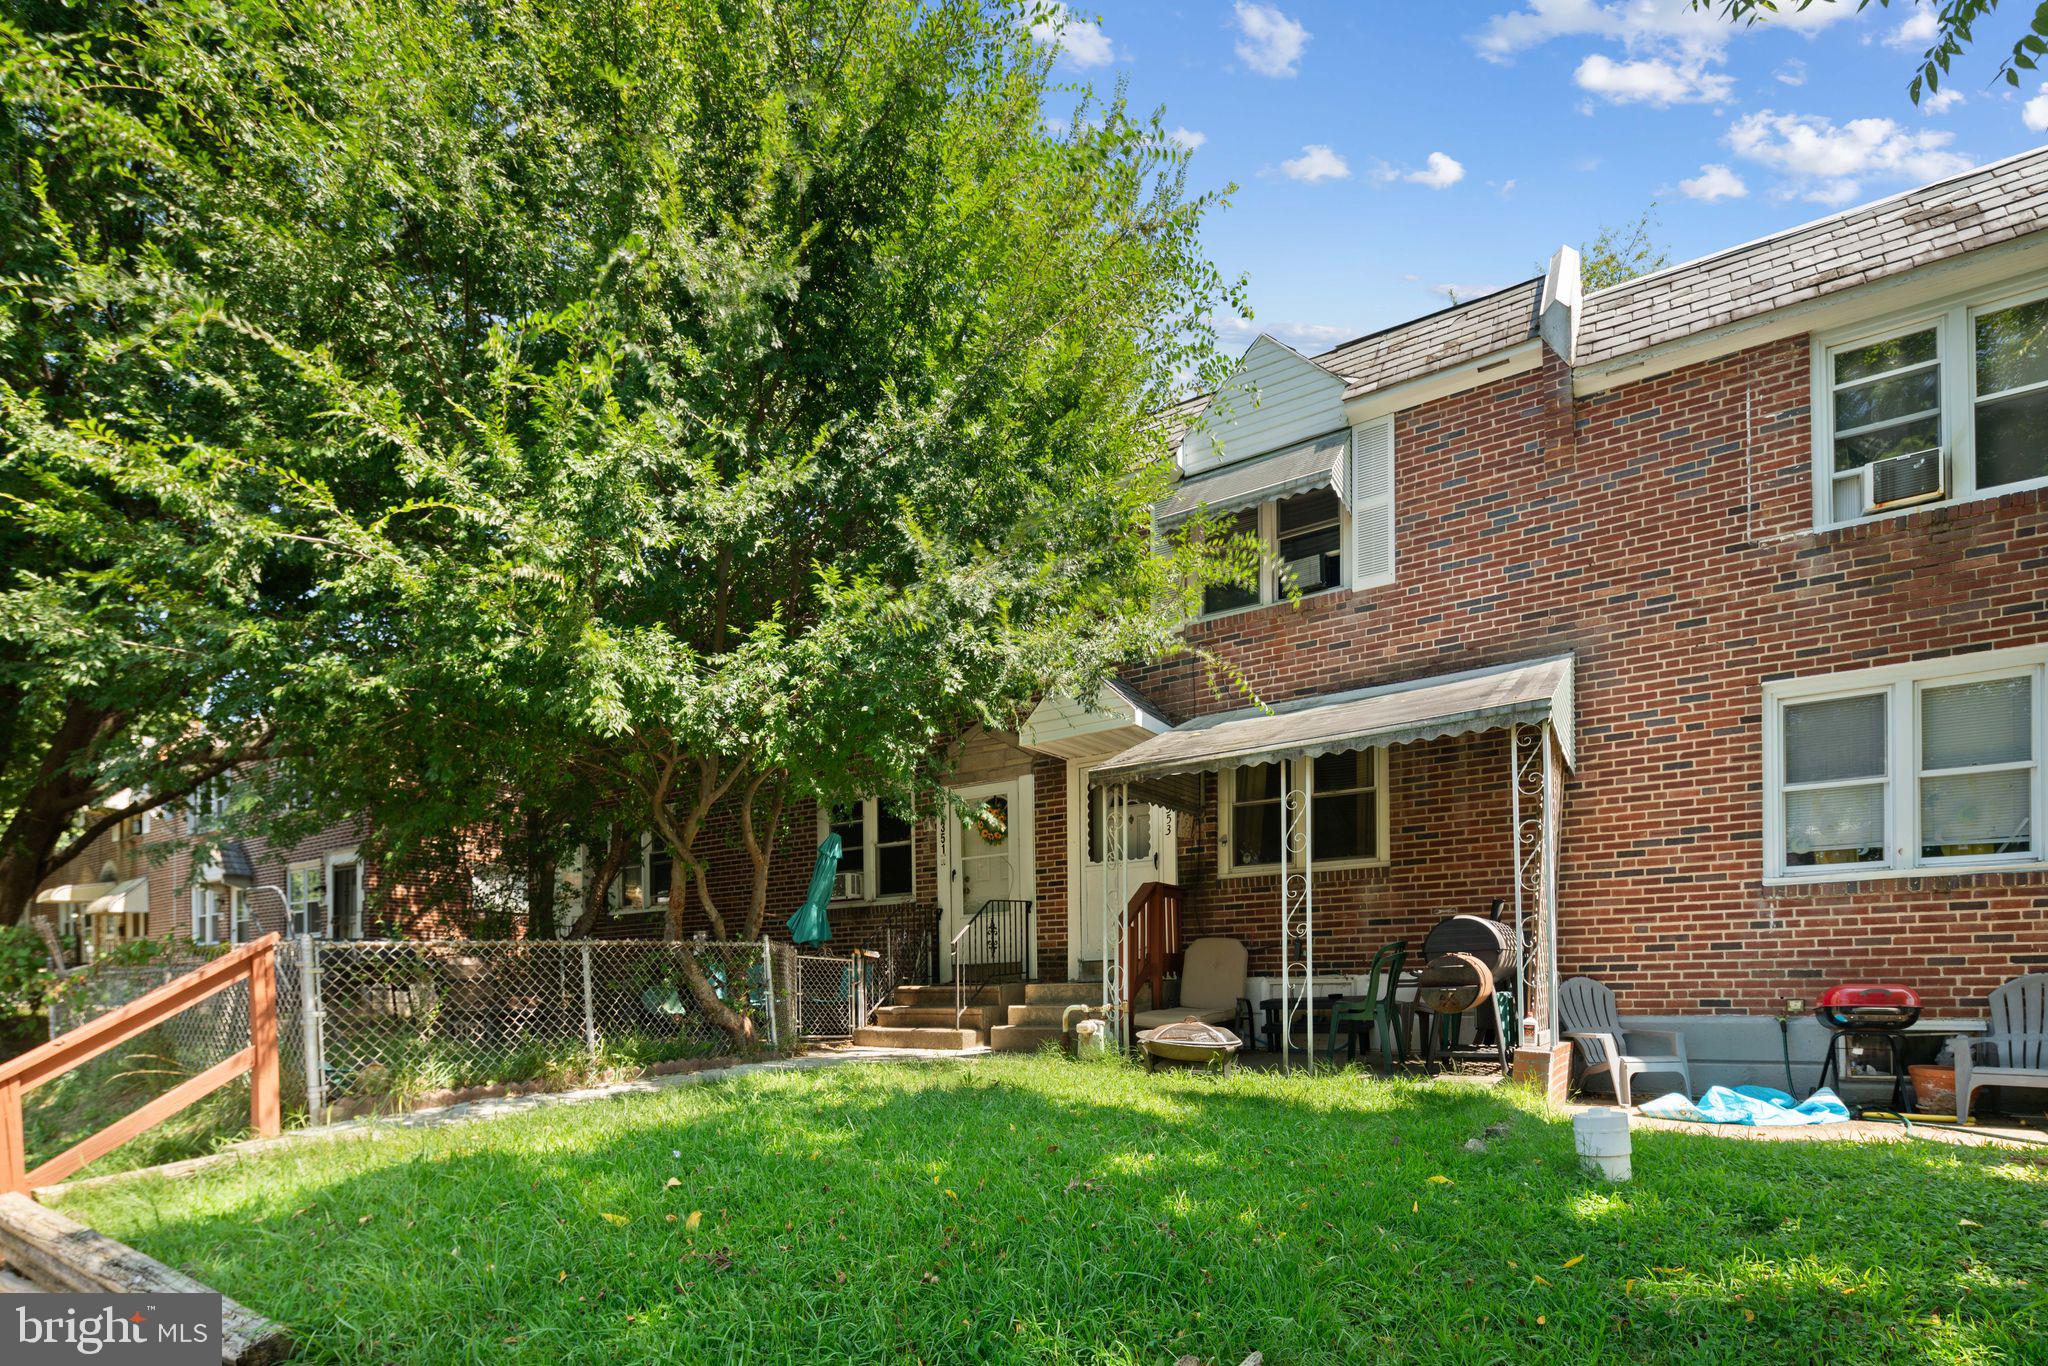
x=1864 y=1009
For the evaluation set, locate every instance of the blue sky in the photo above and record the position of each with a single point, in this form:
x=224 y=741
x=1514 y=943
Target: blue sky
x=1388 y=152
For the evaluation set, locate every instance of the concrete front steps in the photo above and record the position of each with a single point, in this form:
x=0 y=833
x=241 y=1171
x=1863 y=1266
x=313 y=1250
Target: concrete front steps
x=1035 y=1021
x=1009 y=1017
x=923 y=1017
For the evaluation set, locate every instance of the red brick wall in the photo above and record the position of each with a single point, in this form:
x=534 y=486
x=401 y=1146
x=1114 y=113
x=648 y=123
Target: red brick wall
x=1662 y=533
x=1448 y=840
x=1049 y=791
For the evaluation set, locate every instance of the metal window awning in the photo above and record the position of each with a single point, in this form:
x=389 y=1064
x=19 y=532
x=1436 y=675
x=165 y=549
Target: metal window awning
x=100 y=898
x=1166 y=769
x=1311 y=465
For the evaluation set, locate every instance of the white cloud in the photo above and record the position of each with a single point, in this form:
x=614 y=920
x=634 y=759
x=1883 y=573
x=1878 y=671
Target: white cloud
x=1714 y=181
x=1829 y=163
x=2035 y=112
x=1438 y=172
x=1640 y=25
x=1941 y=101
x=1653 y=81
x=1080 y=41
x=1791 y=72
x=1271 y=43
x=1186 y=138
x=1916 y=31
x=1234 y=334
x=1317 y=162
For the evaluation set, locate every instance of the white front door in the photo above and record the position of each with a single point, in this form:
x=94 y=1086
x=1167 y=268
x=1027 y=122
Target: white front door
x=1103 y=884
x=989 y=858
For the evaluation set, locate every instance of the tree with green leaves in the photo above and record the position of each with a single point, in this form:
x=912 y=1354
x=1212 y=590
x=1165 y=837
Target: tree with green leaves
x=835 y=438
x=1954 y=21
x=150 y=590
x=575 y=418
x=1622 y=253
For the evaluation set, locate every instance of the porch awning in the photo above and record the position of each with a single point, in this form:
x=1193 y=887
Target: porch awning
x=74 y=893
x=1112 y=721
x=1311 y=465
x=1159 y=770
x=99 y=898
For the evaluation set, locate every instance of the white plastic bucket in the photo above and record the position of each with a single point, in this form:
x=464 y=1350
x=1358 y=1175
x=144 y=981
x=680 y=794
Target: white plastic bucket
x=1601 y=1137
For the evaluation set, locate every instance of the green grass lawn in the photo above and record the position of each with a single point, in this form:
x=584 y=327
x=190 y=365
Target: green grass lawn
x=1030 y=1209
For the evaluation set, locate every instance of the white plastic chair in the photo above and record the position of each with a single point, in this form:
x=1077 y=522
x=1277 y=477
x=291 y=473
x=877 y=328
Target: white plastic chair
x=1586 y=1010
x=2018 y=1040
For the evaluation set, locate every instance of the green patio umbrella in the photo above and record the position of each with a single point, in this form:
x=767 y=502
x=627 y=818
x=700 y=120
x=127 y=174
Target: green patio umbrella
x=809 y=925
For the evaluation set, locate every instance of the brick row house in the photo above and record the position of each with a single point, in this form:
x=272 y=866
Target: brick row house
x=1700 y=621
x=1751 y=553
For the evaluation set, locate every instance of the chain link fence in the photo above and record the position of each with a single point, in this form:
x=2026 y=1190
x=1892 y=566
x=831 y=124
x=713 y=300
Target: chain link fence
x=402 y=1023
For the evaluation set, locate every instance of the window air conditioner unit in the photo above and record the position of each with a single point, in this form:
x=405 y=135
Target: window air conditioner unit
x=1902 y=480
x=846 y=886
x=1307 y=571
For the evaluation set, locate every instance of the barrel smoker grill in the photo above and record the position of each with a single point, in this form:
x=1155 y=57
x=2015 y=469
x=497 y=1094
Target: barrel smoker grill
x=1467 y=960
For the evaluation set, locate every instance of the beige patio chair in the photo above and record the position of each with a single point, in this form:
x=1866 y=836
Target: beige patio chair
x=1585 y=1009
x=1212 y=973
x=2017 y=1041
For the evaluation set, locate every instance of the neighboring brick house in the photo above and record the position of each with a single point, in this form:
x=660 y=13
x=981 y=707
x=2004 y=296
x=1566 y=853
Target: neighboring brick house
x=1798 y=738
x=168 y=872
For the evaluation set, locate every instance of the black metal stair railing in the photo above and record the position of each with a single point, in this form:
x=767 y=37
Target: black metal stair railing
x=993 y=946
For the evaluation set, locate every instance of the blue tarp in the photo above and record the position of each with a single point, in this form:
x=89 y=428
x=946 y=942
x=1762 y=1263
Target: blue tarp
x=1758 y=1105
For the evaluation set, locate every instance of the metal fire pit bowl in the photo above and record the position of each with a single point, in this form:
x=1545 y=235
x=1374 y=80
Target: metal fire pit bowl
x=1189 y=1041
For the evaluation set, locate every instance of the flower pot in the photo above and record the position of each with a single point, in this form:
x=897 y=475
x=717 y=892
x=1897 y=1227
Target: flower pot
x=1934 y=1088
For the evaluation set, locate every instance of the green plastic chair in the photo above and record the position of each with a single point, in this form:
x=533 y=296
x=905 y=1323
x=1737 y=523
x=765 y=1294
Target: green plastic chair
x=809 y=925
x=1375 y=1007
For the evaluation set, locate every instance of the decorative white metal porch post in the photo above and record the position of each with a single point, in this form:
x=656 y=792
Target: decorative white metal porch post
x=1297 y=913
x=1534 y=782
x=1553 y=822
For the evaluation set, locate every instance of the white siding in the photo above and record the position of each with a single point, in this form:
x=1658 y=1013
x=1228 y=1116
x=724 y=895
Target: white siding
x=1275 y=398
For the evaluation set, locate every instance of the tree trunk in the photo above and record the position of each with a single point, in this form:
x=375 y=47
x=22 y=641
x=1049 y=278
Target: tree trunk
x=598 y=886
x=737 y=1027
x=761 y=848
x=58 y=793
x=541 y=919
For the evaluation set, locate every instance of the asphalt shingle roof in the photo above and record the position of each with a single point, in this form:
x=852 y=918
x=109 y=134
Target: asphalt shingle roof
x=1966 y=212
x=1437 y=341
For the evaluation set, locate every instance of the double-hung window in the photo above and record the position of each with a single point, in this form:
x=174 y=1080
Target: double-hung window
x=1967 y=382
x=212 y=913
x=875 y=862
x=1347 y=812
x=1926 y=767
x=305 y=894
x=1301 y=539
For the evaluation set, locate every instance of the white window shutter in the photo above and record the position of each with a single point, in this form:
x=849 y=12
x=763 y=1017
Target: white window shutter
x=1372 y=503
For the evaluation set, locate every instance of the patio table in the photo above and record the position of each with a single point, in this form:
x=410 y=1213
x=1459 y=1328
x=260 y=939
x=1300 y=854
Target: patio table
x=1404 y=1000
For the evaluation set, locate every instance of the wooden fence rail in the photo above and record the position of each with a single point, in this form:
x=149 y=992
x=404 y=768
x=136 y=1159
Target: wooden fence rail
x=255 y=963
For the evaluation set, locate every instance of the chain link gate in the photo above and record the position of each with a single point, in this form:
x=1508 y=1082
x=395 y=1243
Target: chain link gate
x=828 y=995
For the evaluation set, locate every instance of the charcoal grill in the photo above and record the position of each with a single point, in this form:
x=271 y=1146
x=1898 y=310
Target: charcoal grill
x=1868 y=1010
